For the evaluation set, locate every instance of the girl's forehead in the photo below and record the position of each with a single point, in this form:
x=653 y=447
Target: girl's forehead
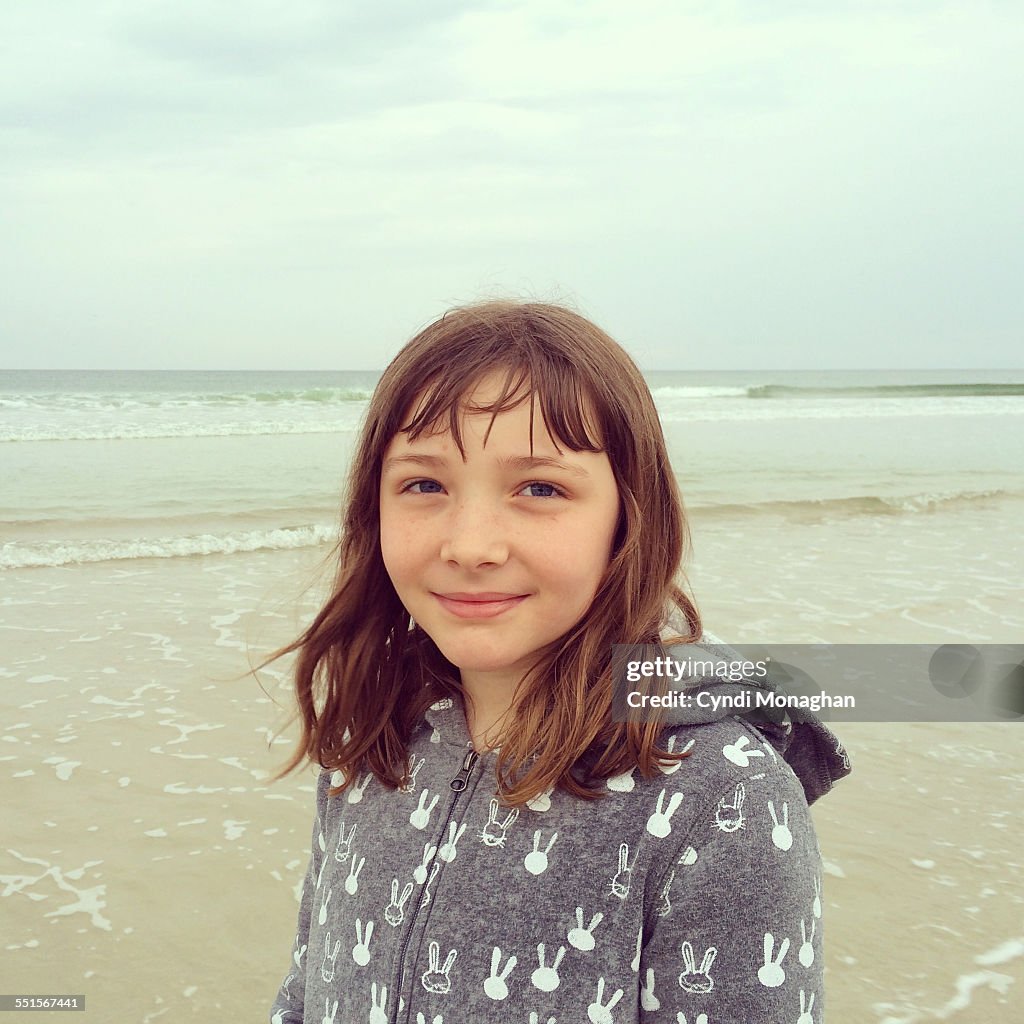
x=483 y=428
x=502 y=402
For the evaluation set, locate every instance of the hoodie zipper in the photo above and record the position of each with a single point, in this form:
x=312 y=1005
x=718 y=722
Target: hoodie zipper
x=457 y=785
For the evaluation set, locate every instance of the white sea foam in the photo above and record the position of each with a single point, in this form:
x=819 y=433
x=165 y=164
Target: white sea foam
x=1008 y=950
x=118 y=430
x=52 y=553
x=668 y=391
x=682 y=411
x=88 y=901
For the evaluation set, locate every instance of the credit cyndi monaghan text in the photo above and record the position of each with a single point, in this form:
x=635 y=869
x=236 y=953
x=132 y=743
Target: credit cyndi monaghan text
x=677 y=669
x=746 y=700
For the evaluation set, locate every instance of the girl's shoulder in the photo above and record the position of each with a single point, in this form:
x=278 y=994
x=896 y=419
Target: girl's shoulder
x=725 y=758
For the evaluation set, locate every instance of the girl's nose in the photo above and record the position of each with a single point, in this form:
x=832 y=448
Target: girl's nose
x=474 y=536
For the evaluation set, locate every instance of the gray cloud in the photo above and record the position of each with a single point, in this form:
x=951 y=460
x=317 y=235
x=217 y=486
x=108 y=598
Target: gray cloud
x=196 y=184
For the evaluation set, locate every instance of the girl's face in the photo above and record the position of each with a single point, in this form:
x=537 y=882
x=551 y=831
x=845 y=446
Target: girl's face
x=498 y=555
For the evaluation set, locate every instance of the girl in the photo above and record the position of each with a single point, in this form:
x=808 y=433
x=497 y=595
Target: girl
x=489 y=844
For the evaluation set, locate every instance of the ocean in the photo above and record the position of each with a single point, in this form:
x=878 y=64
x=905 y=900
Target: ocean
x=119 y=465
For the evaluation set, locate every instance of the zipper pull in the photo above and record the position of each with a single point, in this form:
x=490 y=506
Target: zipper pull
x=461 y=780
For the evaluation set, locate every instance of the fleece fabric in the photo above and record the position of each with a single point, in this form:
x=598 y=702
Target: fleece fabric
x=690 y=898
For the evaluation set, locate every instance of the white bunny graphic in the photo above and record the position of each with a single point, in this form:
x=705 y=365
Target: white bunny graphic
x=495 y=986
x=648 y=1000
x=351 y=883
x=601 y=1013
x=378 y=1014
x=542 y=801
x=420 y=818
x=493 y=833
x=781 y=836
x=738 y=754
x=805 y=1012
x=816 y=905
x=729 y=817
x=771 y=974
x=344 y=847
x=546 y=978
x=434 y=979
x=394 y=913
x=583 y=938
x=623 y=783
x=658 y=823
x=448 y=851
x=620 y=883
x=329 y=1011
x=330 y=959
x=634 y=964
x=409 y=785
x=693 y=979
x=355 y=794
x=426 y=897
x=702 y=1018
x=688 y=857
x=419 y=874
x=361 y=950
x=674 y=766
x=420 y=1019
x=536 y=861
x=665 y=906
x=806 y=954
x=322 y=916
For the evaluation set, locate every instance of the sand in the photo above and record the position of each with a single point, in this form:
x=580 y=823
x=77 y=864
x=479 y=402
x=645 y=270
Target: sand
x=149 y=863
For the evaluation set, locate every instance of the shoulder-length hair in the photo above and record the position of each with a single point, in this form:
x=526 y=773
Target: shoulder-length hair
x=365 y=674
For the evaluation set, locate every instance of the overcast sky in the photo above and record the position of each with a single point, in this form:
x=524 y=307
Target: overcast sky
x=762 y=184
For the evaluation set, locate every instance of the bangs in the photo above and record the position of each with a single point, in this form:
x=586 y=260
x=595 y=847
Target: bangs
x=569 y=409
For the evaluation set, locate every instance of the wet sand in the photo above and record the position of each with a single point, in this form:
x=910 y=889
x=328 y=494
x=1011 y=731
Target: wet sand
x=149 y=863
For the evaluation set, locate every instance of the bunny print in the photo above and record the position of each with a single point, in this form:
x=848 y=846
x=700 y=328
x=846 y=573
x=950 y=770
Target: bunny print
x=665 y=900
x=536 y=861
x=620 y=883
x=493 y=833
x=495 y=985
x=583 y=938
x=394 y=913
x=729 y=816
x=437 y=979
x=695 y=979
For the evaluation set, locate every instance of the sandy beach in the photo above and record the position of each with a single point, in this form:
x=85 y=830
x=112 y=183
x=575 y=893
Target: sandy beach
x=150 y=864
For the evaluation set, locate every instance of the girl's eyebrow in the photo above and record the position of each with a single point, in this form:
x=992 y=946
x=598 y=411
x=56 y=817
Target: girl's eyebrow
x=516 y=462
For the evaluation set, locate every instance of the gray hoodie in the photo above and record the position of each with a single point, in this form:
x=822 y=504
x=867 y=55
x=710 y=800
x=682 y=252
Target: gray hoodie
x=690 y=898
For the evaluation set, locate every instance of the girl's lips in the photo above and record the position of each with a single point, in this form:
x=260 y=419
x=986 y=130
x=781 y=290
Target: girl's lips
x=479 y=606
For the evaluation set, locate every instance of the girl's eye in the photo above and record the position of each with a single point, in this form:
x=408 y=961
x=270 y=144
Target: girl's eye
x=542 y=490
x=430 y=487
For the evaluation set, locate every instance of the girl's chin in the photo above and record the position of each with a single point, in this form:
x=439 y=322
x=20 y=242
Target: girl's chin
x=473 y=664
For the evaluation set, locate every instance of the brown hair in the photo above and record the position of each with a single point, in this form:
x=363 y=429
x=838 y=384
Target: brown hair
x=363 y=677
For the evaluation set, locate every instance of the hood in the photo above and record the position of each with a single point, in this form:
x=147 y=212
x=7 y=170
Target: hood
x=814 y=752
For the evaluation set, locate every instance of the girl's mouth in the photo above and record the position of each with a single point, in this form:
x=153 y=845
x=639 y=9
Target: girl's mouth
x=479 y=606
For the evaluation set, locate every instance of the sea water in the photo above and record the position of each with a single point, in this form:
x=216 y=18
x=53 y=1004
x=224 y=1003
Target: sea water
x=104 y=465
